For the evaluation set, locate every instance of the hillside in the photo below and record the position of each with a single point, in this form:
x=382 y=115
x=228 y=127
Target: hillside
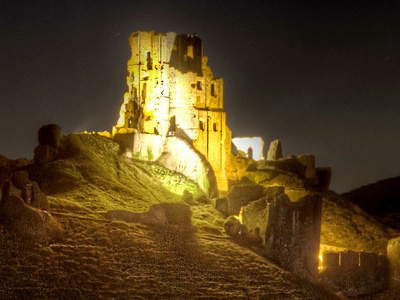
x=346 y=225
x=101 y=259
x=380 y=199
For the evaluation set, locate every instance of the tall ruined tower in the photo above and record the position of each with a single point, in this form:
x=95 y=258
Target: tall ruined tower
x=172 y=94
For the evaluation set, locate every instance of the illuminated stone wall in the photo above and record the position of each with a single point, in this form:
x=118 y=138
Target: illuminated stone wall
x=180 y=156
x=172 y=92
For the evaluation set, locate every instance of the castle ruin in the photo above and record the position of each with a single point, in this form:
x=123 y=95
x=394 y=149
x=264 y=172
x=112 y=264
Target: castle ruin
x=173 y=110
x=173 y=113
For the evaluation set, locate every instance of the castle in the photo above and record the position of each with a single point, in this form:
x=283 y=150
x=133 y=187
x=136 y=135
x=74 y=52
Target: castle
x=173 y=110
x=173 y=113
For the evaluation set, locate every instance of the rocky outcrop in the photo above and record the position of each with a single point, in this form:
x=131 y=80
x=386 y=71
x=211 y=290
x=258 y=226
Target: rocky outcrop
x=28 y=223
x=221 y=204
x=23 y=206
x=301 y=167
x=30 y=191
x=158 y=214
x=49 y=141
x=233 y=227
x=275 y=150
x=241 y=195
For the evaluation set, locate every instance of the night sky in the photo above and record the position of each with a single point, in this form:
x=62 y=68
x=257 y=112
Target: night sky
x=322 y=76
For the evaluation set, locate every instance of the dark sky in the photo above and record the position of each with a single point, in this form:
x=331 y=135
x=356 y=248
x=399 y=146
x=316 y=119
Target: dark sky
x=322 y=76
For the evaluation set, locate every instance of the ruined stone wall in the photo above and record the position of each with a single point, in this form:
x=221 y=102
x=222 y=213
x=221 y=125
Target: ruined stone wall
x=354 y=273
x=172 y=91
x=290 y=232
x=393 y=252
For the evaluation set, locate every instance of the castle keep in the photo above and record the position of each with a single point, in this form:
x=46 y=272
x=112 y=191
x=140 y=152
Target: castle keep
x=174 y=102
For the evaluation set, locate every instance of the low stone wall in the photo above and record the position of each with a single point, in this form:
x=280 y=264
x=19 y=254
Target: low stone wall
x=355 y=273
x=180 y=156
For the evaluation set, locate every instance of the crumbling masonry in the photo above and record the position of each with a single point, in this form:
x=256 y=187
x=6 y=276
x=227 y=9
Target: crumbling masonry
x=173 y=110
x=173 y=113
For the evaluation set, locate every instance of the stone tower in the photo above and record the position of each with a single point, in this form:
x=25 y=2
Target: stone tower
x=172 y=93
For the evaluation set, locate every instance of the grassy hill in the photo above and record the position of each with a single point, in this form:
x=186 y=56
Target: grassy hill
x=101 y=259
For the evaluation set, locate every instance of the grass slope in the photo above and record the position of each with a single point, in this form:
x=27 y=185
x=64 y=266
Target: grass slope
x=100 y=259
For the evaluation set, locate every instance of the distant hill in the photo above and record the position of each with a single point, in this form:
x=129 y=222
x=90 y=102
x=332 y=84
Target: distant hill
x=381 y=200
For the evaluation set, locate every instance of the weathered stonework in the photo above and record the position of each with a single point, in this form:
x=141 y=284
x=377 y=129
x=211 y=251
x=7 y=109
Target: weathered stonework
x=289 y=231
x=354 y=273
x=173 y=114
x=173 y=92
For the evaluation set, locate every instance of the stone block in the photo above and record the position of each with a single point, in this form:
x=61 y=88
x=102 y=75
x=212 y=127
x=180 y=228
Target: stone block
x=125 y=141
x=29 y=223
x=221 y=204
x=20 y=179
x=44 y=154
x=202 y=199
x=187 y=197
x=255 y=216
x=393 y=251
x=323 y=177
x=8 y=190
x=349 y=260
x=232 y=226
x=50 y=135
x=307 y=160
x=290 y=165
x=241 y=195
x=158 y=214
x=271 y=192
x=175 y=213
x=275 y=150
x=330 y=260
x=38 y=198
x=368 y=262
x=5 y=174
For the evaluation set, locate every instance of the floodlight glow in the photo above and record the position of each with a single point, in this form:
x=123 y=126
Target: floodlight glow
x=255 y=143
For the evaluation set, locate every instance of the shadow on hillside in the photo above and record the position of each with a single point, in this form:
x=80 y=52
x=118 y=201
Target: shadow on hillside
x=176 y=241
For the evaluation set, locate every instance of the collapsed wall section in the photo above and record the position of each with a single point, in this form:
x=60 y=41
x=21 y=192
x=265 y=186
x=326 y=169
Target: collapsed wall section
x=180 y=156
x=289 y=231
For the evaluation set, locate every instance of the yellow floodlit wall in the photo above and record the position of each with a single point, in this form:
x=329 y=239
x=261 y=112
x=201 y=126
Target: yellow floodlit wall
x=172 y=91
